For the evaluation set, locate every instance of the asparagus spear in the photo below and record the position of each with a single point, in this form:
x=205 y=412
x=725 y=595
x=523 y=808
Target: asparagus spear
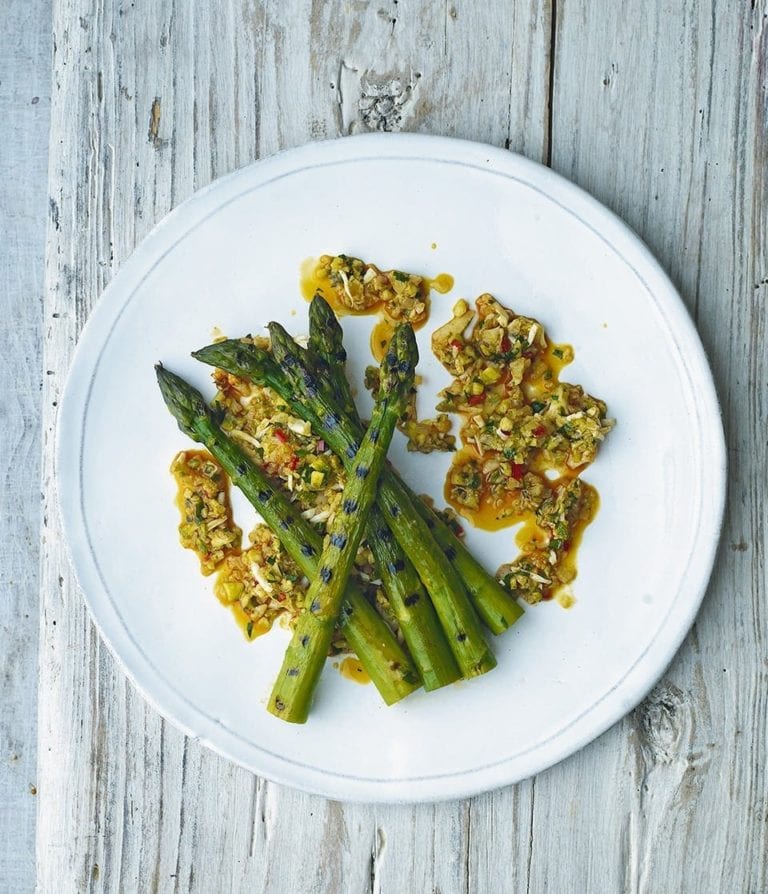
x=495 y=605
x=455 y=611
x=304 y=659
x=386 y=662
x=257 y=365
x=407 y=597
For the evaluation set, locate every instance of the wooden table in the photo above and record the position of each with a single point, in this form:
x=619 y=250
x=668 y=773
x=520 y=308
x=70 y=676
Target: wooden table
x=658 y=109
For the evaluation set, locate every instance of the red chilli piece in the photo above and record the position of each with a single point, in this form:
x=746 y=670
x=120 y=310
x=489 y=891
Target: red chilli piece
x=281 y=436
x=457 y=344
x=475 y=399
x=293 y=462
x=539 y=431
x=518 y=470
x=506 y=345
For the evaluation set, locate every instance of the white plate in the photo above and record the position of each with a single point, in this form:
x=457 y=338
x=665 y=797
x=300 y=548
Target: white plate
x=229 y=257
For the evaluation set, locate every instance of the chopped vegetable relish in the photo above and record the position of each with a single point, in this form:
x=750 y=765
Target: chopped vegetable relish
x=206 y=514
x=351 y=285
x=424 y=435
x=527 y=437
x=259 y=581
x=354 y=286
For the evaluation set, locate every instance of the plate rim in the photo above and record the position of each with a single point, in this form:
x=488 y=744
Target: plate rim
x=712 y=482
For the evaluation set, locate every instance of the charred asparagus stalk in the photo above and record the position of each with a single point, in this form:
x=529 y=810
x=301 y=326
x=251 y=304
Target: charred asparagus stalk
x=409 y=600
x=455 y=614
x=455 y=611
x=259 y=366
x=495 y=605
x=386 y=662
x=304 y=659
x=406 y=594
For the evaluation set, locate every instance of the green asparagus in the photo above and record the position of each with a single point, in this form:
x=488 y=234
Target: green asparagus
x=385 y=661
x=304 y=659
x=257 y=365
x=495 y=605
x=455 y=611
x=407 y=597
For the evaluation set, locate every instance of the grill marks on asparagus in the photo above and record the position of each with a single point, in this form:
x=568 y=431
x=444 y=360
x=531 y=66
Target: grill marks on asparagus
x=454 y=610
x=386 y=662
x=407 y=597
x=405 y=591
x=493 y=603
x=292 y=693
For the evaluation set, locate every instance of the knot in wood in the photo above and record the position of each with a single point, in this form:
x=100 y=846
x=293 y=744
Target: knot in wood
x=386 y=99
x=661 y=721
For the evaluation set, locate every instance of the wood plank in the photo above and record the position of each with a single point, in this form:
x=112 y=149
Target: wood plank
x=25 y=71
x=659 y=111
x=152 y=100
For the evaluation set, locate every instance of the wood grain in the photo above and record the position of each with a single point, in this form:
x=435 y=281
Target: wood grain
x=662 y=115
x=25 y=71
x=128 y=801
x=152 y=100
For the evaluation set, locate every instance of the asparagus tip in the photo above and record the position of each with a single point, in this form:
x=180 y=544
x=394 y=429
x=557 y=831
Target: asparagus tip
x=326 y=337
x=399 y=364
x=281 y=342
x=184 y=402
x=238 y=358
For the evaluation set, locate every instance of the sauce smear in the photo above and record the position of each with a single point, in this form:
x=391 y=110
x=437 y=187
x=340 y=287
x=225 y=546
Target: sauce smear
x=355 y=288
x=526 y=438
x=351 y=669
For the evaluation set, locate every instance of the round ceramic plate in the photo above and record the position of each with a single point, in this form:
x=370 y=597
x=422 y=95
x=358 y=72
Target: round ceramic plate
x=230 y=257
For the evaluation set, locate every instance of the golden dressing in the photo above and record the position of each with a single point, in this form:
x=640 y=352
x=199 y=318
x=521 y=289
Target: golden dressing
x=202 y=498
x=251 y=630
x=351 y=668
x=492 y=516
x=313 y=282
x=442 y=283
x=190 y=481
x=381 y=334
x=494 y=513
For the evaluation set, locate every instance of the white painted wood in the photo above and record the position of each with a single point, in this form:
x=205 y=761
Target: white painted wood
x=25 y=70
x=152 y=100
x=660 y=111
x=129 y=802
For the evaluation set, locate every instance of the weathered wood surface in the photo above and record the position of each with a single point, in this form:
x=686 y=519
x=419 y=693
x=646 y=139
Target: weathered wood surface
x=660 y=110
x=25 y=86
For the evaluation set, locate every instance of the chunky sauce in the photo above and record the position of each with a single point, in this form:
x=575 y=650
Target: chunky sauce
x=314 y=281
x=251 y=629
x=523 y=448
x=202 y=497
x=492 y=516
x=351 y=669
